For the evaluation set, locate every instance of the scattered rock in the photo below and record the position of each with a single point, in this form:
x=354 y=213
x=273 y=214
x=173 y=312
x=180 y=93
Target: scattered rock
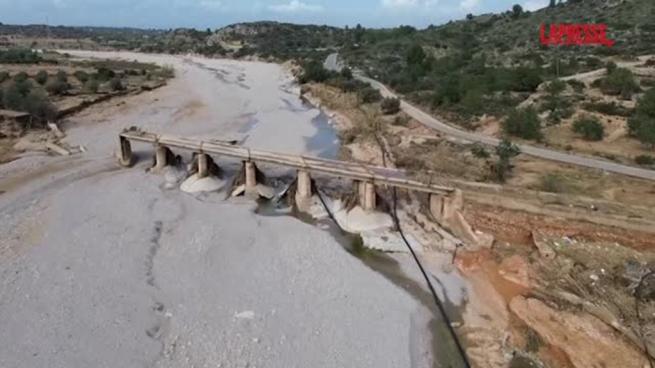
x=265 y=191
x=540 y=241
x=646 y=290
x=245 y=315
x=53 y=147
x=633 y=272
x=55 y=129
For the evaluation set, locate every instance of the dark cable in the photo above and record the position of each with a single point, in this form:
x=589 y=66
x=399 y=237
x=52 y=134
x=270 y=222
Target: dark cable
x=442 y=310
x=318 y=193
x=440 y=306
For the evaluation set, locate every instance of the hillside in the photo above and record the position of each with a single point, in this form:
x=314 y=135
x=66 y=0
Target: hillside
x=472 y=72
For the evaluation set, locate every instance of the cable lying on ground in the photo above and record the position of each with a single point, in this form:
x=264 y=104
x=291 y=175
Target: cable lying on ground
x=442 y=310
x=440 y=307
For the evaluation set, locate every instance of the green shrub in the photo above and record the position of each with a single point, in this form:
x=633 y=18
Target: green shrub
x=523 y=123
x=479 y=151
x=346 y=73
x=472 y=103
x=20 y=77
x=314 y=72
x=610 y=67
x=4 y=76
x=449 y=91
x=552 y=183
x=104 y=74
x=81 y=76
x=12 y=99
x=576 y=85
x=557 y=115
x=369 y=95
x=401 y=120
x=37 y=104
x=645 y=160
x=517 y=10
x=642 y=124
x=607 y=108
x=526 y=79
x=57 y=87
x=41 y=77
x=390 y=106
x=589 y=127
x=20 y=96
x=620 y=82
x=415 y=55
x=19 y=56
x=62 y=76
x=116 y=84
x=91 y=86
x=593 y=62
x=505 y=151
x=556 y=87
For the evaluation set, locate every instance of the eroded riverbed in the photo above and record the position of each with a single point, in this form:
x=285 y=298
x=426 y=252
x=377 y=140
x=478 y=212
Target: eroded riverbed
x=105 y=267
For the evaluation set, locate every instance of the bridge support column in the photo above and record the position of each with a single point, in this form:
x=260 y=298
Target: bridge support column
x=367 y=195
x=444 y=207
x=161 y=157
x=251 y=177
x=125 y=152
x=203 y=167
x=304 y=190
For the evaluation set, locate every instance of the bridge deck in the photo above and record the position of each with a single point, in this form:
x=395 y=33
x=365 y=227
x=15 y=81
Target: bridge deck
x=345 y=169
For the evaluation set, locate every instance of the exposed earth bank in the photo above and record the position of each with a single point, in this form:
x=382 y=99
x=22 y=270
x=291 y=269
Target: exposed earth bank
x=567 y=282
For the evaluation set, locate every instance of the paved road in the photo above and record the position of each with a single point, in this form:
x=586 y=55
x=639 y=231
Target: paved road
x=430 y=121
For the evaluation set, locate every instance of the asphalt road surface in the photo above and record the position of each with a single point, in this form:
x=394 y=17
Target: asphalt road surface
x=333 y=63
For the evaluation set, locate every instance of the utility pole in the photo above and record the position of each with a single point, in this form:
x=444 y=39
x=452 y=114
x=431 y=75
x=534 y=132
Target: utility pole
x=47 y=31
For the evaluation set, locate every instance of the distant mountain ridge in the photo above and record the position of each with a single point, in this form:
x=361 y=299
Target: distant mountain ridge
x=512 y=34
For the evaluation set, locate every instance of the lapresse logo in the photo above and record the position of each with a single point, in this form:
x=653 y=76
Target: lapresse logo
x=574 y=34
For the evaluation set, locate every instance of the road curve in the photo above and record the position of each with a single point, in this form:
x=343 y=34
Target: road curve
x=332 y=63
x=548 y=154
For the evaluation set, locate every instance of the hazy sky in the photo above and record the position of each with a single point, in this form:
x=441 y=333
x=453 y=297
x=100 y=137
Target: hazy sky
x=217 y=13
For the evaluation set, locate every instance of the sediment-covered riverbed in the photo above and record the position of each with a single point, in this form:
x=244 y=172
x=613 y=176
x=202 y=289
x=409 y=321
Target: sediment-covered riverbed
x=107 y=267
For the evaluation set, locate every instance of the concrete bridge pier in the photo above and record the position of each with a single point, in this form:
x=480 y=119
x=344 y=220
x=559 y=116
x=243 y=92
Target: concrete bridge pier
x=203 y=166
x=367 y=195
x=125 y=158
x=447 y=209
x=304 y=190
x=444 y=207
x=251 y=178
x=162 y=155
